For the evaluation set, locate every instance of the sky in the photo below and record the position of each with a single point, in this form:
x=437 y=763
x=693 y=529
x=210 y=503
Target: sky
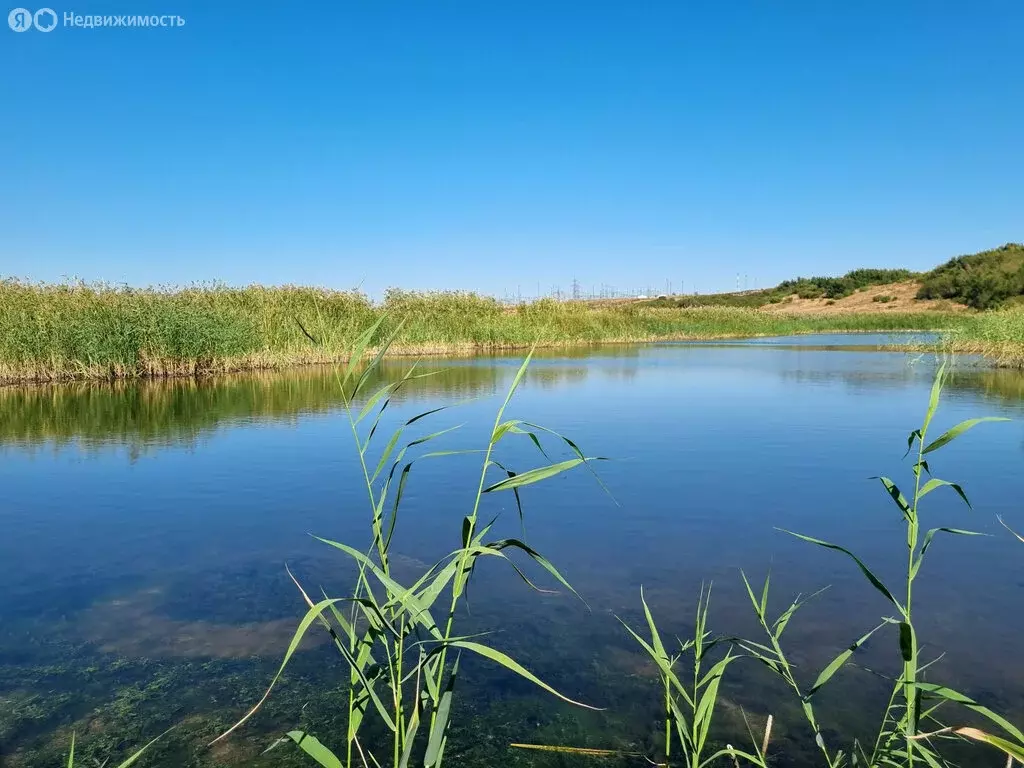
x=506 y=147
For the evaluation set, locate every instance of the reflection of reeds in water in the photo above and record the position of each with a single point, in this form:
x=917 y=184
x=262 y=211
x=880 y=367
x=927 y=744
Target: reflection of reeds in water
x=143 y=414
x=176 y=411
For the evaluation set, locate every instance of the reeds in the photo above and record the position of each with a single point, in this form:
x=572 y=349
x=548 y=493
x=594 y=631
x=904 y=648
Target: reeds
x=910 y=732
x=98 y=331
x=691 y=697
x=403 y=663
x=998 y=336
x=904 y=737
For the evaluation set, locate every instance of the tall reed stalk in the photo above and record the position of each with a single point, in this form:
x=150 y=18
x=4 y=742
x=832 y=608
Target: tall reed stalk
x=690 y=699
x=902 y=739
x=401 y=667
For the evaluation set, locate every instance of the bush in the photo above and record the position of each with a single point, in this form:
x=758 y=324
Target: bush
x=982 y=280
x=841 y=287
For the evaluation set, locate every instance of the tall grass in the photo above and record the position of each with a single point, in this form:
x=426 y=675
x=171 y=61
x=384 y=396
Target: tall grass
x=998 y=336
x=87 y=331
x=79 y=330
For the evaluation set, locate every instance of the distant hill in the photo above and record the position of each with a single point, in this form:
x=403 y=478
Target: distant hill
x=841 y=287
x=829 y=288
x=981 y=280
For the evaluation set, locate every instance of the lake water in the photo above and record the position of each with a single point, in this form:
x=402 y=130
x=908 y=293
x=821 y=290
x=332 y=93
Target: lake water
x=146 y=528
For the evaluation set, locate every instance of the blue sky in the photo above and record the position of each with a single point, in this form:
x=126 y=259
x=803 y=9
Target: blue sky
x=497 y=145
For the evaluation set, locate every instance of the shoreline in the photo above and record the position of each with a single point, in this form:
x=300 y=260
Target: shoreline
x=160 y=369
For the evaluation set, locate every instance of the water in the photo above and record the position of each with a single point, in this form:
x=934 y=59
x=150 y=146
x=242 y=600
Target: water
x=146 y=528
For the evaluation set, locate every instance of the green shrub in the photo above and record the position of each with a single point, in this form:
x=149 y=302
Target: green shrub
x=841 y=287
x=982 y=280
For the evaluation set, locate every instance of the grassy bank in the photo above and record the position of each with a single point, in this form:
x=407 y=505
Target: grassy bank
x=84 y=331
x=999 y=336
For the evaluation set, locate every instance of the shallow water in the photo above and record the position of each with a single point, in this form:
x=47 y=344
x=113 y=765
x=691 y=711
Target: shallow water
x=146 y=527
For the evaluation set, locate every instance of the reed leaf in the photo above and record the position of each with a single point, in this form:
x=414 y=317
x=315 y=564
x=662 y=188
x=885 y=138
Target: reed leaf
x=313 y=614
x=533 y=476
x=839 y=661
x=1008 y=748
x=956 y=697
x=312 y=746
x=538 y=558
x=513 y=666
x=439 y=728
x=928 y=541
x=956 y=431
x=898 y=497
x=934 y=483
x=1007 y=527
x=875 y=581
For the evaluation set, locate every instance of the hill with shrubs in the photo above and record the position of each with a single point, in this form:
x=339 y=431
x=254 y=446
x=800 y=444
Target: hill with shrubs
x=985 y=280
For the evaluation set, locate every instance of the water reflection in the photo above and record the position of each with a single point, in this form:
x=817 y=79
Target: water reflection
x=147 y=415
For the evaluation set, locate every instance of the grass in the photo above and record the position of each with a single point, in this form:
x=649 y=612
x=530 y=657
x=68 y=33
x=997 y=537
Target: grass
x=67 y=331
x=998 y=336
x=82 y=331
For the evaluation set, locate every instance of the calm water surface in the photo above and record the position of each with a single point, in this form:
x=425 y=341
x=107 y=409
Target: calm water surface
x=146 y=528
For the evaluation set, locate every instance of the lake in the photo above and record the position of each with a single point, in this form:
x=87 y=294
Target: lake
x=146 y=528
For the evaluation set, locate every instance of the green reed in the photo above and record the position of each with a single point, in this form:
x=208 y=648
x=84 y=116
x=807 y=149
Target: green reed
x=997 y=335
x=403 y=664
x=52 y=332
x=690 y=701
x=909 y=729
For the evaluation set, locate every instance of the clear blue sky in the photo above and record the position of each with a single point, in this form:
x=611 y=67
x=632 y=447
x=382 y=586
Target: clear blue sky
x=490 y=145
